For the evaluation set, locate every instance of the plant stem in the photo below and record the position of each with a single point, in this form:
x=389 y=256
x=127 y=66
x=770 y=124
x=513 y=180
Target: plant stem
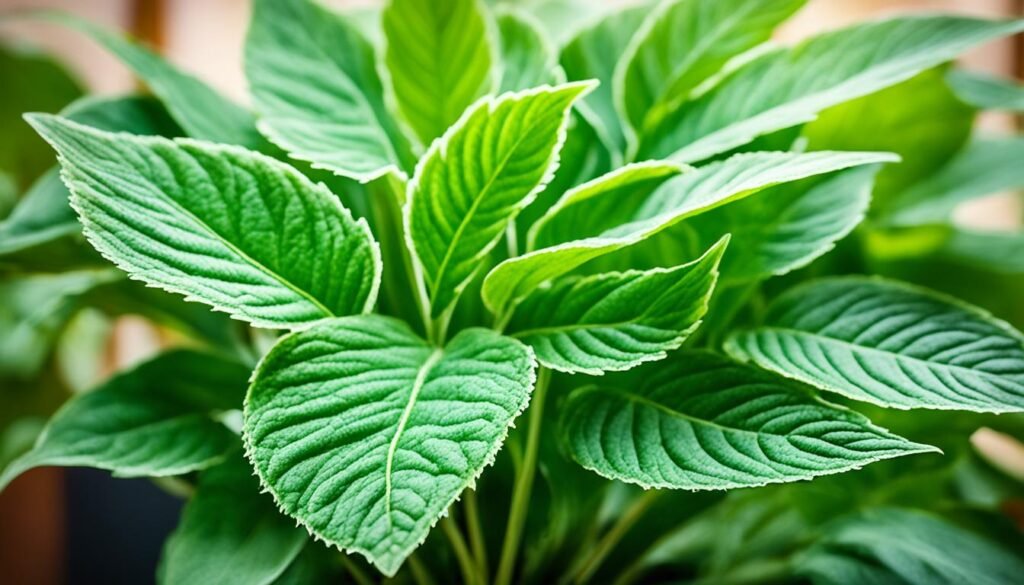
x=458 y=543
x=358 y=575
x=419 y=571
x=476 y=536
x=524 y=483
x=614 y=535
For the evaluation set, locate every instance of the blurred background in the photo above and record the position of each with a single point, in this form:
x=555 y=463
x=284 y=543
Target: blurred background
x=76 y=520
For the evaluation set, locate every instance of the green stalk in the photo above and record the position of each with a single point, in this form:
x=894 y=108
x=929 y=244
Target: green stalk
x=466 y=564
x=360 y=577
x=476 y=536
x=524 y=483
x=614 y=535
x=419 y=571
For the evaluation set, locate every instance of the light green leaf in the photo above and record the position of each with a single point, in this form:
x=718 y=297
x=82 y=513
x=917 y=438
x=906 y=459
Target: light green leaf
x=220 y=224
x=197 y=108
x=793 y=85
x=618 y=320
x=919 y=119
x=890 y=344
x=701 y=421
x=986 y=92
x=787 y=226
x=34 y=310
x=366 y=434
x=892 y=545
x=682 y=44
x=593 y=54
x=230 y=533
x=684 y=196
x=997 y=251
x=156 y=420
x=984 y=167
x=528 y=59
x=439 y=58
x=596 y=205
x=314 y=81
x=477 y=178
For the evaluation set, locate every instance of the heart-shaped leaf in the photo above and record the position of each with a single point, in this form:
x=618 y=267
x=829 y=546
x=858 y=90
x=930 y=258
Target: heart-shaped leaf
x=366 y=434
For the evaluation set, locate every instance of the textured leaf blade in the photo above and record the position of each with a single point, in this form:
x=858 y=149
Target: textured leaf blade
x=155 y=420
x=894 y=545
x=366 y=434
x=701 y=421
x=477 y=178
x=527 y=57
x=593 y=54
x=618 y=320
x=684 y=196
x=439 y=58
x=596 y=205
x=890 y=344
x=230 y=532
x=681 y=44
x=193 y=218
x=315 y=85
x=794 y=84
x=787 y=226
x=984 y=167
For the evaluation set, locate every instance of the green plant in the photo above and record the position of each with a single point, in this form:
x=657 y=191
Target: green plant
x=455 y=229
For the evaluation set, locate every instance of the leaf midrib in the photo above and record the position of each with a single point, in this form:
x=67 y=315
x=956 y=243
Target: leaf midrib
x=417 y=386
x=873 y=350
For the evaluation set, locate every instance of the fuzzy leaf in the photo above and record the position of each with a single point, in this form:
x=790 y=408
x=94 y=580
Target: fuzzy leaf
x=793 y=85
x=596 y=205
x=366 y=434
x=681 y=44
x=984 y=167
x=593 y=54
x=985 y=92
x=890 y=344
x=684 y=196
x=155 y=420
x=477 y=178
x=527 y=57
x=222 y=225
x=618 y=320
x=315 y=85
x=197 y=108
x=230 y=533
x=787 y=226
x=883 y=546
x=439 y=60
x=701 y=421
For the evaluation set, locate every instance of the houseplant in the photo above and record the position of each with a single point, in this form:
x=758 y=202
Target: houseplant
x=674 y=258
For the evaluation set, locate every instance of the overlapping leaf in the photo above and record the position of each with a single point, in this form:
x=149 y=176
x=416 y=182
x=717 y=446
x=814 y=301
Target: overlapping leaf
x=893 y=545
x=440 y=60
x=890 y=344
x=986 y=92
x=527 y=58
x=314 y=82
x=366 y=434
x=236 y=230
x=701 y=421
x=155 y=420
x=474 y=181
x=787 y=87
x=682 y=44
x=230 y=533
x=787 y=226
x=618 y=320
x=687 y=195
